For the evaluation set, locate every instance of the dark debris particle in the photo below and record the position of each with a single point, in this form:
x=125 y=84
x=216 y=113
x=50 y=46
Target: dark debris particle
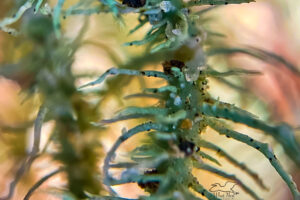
x=167 y=65
x=122 y=138
x=150 y=186
x=186 y=146
x=134 y=3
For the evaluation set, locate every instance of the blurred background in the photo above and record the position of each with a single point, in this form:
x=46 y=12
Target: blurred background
x=271 y=25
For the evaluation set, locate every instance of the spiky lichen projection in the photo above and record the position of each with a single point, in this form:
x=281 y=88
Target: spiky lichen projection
x=163 y=166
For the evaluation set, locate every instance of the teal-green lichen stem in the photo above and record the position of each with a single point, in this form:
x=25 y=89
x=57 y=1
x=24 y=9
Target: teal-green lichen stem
x=264 y=148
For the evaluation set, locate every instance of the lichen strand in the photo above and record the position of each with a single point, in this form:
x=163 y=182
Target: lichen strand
x=49 y=63
x=173 y=148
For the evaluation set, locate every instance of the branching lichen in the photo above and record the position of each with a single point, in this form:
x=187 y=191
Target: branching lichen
x=197 y=111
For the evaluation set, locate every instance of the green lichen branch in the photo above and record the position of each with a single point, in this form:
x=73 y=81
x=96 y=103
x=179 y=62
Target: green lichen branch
x=264 y=148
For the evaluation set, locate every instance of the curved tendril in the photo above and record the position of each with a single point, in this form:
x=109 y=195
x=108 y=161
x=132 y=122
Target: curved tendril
x=232 y=177
x=40 y=182
x=116 y=71
x=10 y=20
x=232 y=160
x=262 y=147
x=110 y=154
x=281 y=133
x=209 y=157
x=33 y=154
